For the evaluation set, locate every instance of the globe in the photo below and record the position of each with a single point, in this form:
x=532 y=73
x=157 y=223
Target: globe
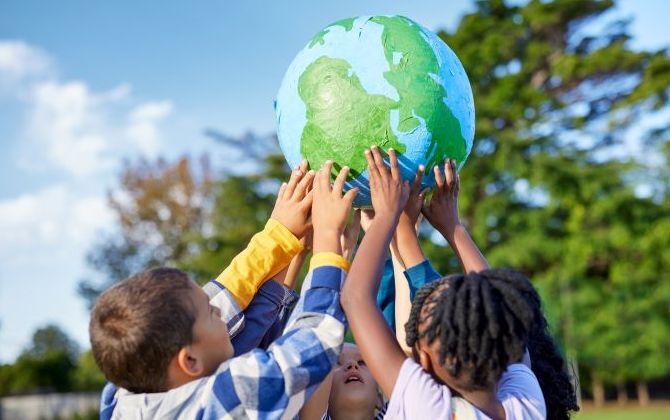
x=375 y=80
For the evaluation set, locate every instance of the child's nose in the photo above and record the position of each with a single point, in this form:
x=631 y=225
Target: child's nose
x=352 y=365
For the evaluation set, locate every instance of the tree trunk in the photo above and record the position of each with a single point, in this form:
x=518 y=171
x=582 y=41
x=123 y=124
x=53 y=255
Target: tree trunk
x=621 y=394
x=642 y=393
x=598 y=392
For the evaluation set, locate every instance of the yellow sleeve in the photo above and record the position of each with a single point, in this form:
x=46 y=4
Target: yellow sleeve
x=268 y=252
x=329 y=258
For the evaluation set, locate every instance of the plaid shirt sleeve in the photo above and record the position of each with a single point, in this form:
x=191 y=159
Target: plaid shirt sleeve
x=276 y=383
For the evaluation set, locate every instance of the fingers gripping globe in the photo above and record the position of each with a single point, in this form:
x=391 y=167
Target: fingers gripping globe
x=375 y=80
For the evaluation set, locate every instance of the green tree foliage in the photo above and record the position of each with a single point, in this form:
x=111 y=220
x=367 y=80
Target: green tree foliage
x=550 y=187
x=45 y=366
x=87 y=376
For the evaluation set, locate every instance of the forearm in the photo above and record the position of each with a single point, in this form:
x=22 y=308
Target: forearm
x=375 y=339
x=268 y=252
x=407 y=243
x=469 y=255
x=316 y=407
x=289 y=275
x=402 y=301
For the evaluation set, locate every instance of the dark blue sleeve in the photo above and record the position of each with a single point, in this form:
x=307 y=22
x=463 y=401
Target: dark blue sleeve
x=265 y=317
x=420 y=275
x=386 y=293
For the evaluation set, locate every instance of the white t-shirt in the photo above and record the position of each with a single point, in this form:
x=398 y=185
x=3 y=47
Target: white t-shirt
x=416 y=395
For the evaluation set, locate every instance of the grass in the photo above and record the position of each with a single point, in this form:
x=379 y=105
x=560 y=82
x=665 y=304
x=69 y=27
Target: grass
x=654 y=412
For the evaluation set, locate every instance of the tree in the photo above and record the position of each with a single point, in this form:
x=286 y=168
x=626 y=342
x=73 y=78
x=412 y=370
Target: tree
x=544 y=190
x=87 y=376
x=159 y=206
x=180 y=215
x=46 y=365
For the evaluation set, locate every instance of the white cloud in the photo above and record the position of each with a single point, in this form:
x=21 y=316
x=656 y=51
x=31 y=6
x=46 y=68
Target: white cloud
x=67 y=124
x=53 y=216
x=143 y=125
x=20 y=61
x=83 y=132
x=76 y=135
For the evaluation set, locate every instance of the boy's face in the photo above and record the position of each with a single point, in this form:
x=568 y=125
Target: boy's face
x=353 y=384
x=211 y=340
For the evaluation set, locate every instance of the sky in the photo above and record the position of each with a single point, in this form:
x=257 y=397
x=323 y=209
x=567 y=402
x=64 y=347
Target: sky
x=84 y=85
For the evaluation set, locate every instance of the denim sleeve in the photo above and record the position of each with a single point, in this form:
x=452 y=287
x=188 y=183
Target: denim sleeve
x=419 y=275
x=265 y=317
x=386 y=293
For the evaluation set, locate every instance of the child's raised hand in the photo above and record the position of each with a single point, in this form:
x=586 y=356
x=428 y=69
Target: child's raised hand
x=330 y=209
x=388 y=190
x=294 y=201
x=442 y=211
x=414 y=204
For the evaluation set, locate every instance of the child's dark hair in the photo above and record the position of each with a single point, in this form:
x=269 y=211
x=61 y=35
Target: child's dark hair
x=481 y=323
x=138 y=326
x=547 y=362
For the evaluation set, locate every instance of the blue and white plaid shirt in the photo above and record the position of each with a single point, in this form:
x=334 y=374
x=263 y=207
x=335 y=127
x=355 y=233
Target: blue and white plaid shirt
x=263 y=384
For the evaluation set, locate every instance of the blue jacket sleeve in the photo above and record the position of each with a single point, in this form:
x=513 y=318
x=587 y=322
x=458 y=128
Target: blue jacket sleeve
x=265 y=317
x=419 y=275
x=386 y=294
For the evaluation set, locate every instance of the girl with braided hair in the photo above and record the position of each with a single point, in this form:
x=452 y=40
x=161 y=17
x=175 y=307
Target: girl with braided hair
x=466 y=331
x=546 y=360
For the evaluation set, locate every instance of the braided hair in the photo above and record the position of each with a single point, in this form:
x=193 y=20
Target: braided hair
x=548 y=364
x=480 y=322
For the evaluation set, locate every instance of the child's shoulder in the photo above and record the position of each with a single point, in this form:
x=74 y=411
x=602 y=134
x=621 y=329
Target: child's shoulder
x=520 y=393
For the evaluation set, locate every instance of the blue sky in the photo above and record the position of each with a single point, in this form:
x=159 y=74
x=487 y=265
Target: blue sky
x=85 y=84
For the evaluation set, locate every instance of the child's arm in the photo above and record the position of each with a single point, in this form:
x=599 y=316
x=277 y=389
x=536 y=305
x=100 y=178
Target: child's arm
x=375 y=339
x=268 y=252
x=386 y=295
x=407 y=252
x=317 y=405
x=278 y=381
x=442 y=213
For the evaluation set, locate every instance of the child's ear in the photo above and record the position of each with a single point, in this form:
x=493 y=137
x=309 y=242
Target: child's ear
x=424 y=360
x=189 y=363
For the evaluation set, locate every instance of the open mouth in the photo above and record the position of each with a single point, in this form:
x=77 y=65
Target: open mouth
x=354 y=377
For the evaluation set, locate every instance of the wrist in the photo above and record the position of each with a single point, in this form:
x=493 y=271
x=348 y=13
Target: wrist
x=327 y=240
x=408 y=245
x=449 y=231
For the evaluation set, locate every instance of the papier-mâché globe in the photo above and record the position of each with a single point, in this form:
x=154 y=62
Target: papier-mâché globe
x=375 y=80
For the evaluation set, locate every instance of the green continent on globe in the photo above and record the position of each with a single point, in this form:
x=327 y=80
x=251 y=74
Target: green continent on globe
x=343 y=119
x=415 y=83
x=327 y=88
